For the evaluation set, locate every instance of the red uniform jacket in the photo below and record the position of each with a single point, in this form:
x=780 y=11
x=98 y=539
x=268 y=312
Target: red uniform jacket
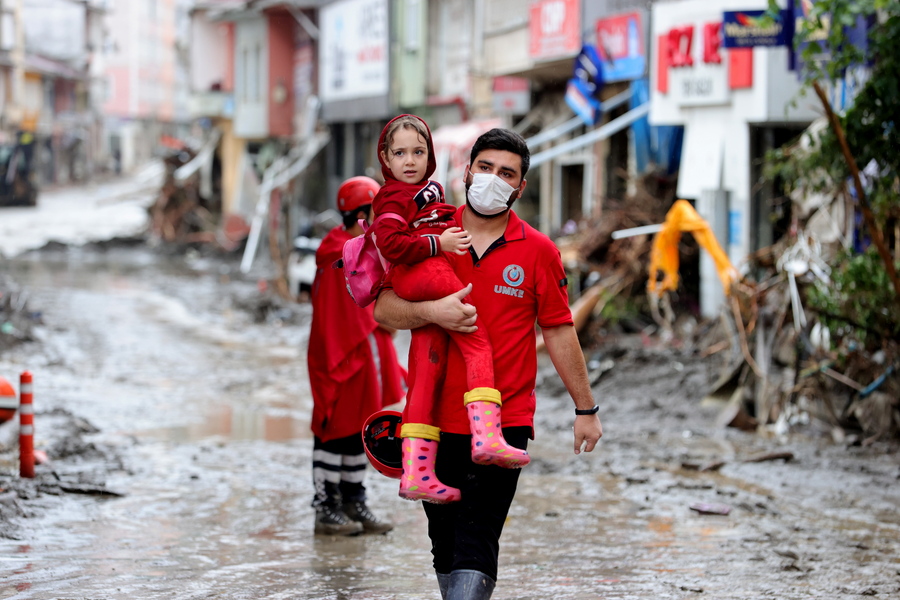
x=349 y=382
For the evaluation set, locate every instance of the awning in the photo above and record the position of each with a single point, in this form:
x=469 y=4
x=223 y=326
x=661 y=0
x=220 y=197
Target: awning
x=453 y=143
x=47 y=66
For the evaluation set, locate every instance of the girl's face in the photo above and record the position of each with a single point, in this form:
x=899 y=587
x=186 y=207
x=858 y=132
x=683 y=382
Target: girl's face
x=407 y=156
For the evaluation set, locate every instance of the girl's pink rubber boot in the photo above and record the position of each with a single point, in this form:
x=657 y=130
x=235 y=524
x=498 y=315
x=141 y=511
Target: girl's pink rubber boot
x=488 y=445
x=418 y=482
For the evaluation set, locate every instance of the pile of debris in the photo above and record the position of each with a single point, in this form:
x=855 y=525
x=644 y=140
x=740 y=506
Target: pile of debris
x=785 y=369
x=602 y=268
x=16 y=320
x=186 y=209
x=781 y=366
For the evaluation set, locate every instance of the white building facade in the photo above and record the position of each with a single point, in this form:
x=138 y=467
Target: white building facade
x=734 y=105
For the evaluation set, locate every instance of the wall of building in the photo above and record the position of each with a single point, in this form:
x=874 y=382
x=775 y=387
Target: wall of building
x=506 y=36
x=211 y=53
x=280 y=90
x=409 y=53
x=450 y=40
x=147 y=88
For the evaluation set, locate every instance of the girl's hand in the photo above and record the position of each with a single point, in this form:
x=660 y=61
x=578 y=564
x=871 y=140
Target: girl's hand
x=456 y=240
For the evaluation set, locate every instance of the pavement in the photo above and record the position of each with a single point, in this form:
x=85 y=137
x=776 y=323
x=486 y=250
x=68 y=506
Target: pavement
x=82 y=214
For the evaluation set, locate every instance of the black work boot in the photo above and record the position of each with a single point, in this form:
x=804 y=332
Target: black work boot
x=333 y=521
x=466 y=584
x=360 y=513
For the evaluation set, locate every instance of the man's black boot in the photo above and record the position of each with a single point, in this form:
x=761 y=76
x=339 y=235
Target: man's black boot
x=466 y=584
x=333 y=521
x=360 y=513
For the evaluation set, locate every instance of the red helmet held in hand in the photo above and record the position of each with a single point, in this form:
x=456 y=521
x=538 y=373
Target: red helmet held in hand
x=381 y=439
x=356 y=192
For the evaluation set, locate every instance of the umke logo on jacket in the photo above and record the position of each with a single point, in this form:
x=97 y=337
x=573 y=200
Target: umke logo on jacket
x=514 y=276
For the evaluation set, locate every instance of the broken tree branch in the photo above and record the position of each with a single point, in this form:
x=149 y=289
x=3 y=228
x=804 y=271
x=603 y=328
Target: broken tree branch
x=874 y=231
x=745 y=348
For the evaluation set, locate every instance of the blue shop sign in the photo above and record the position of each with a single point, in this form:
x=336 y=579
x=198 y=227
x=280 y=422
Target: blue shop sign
x=749 y=28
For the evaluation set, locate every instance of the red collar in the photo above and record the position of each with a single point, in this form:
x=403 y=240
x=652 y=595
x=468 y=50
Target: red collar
x=515 y=227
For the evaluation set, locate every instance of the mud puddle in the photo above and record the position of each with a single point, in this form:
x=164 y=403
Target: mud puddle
x=201 y=407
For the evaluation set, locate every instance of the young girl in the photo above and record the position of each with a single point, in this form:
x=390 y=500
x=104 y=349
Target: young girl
x=415 y=246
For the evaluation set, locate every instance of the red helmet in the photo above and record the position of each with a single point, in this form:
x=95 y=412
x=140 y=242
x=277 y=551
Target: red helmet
x=9 y=402
x=381 y=439
x=356 y=192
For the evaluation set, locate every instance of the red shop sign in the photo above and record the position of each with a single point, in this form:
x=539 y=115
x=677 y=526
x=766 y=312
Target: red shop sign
x=554 y=28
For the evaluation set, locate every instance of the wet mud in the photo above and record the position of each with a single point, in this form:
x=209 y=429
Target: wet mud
x=172 y=400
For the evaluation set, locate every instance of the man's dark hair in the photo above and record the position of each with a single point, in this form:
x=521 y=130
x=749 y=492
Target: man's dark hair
x=352 y=216
x=502 y=139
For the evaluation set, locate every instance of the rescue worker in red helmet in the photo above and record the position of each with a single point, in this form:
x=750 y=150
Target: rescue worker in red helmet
x=353 y=372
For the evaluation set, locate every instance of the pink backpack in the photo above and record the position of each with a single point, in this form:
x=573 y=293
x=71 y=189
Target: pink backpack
x=364 y=267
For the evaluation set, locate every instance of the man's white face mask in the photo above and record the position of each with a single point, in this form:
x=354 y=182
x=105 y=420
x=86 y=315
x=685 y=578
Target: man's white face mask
x=489 y=195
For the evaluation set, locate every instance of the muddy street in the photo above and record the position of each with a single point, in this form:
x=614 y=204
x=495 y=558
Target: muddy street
x=174 y=388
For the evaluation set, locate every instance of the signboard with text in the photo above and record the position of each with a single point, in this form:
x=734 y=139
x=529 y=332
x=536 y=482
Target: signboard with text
x=750 y=28
x=620 y=43
x=554 y=28
x=512 y=95
x=353 y=50
x=691 y=61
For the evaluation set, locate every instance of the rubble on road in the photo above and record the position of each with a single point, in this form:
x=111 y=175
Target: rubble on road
x=75 y=465
x=16 y=319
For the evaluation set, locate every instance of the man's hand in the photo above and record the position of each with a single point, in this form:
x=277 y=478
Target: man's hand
x=588 y=431
x=568 y=358
x=450 y=312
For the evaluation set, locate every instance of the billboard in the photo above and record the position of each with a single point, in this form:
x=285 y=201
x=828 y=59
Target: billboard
x=354 y=58
x=620 y=43
x=554 y=27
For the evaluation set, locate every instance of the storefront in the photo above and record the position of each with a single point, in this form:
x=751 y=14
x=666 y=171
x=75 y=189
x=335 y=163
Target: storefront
x=734 y=104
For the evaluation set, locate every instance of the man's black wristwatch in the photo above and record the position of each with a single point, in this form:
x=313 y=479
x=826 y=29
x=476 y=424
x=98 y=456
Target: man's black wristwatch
x=589 y=411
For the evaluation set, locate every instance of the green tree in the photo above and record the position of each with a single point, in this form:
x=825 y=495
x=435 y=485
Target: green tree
x=866 y=289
